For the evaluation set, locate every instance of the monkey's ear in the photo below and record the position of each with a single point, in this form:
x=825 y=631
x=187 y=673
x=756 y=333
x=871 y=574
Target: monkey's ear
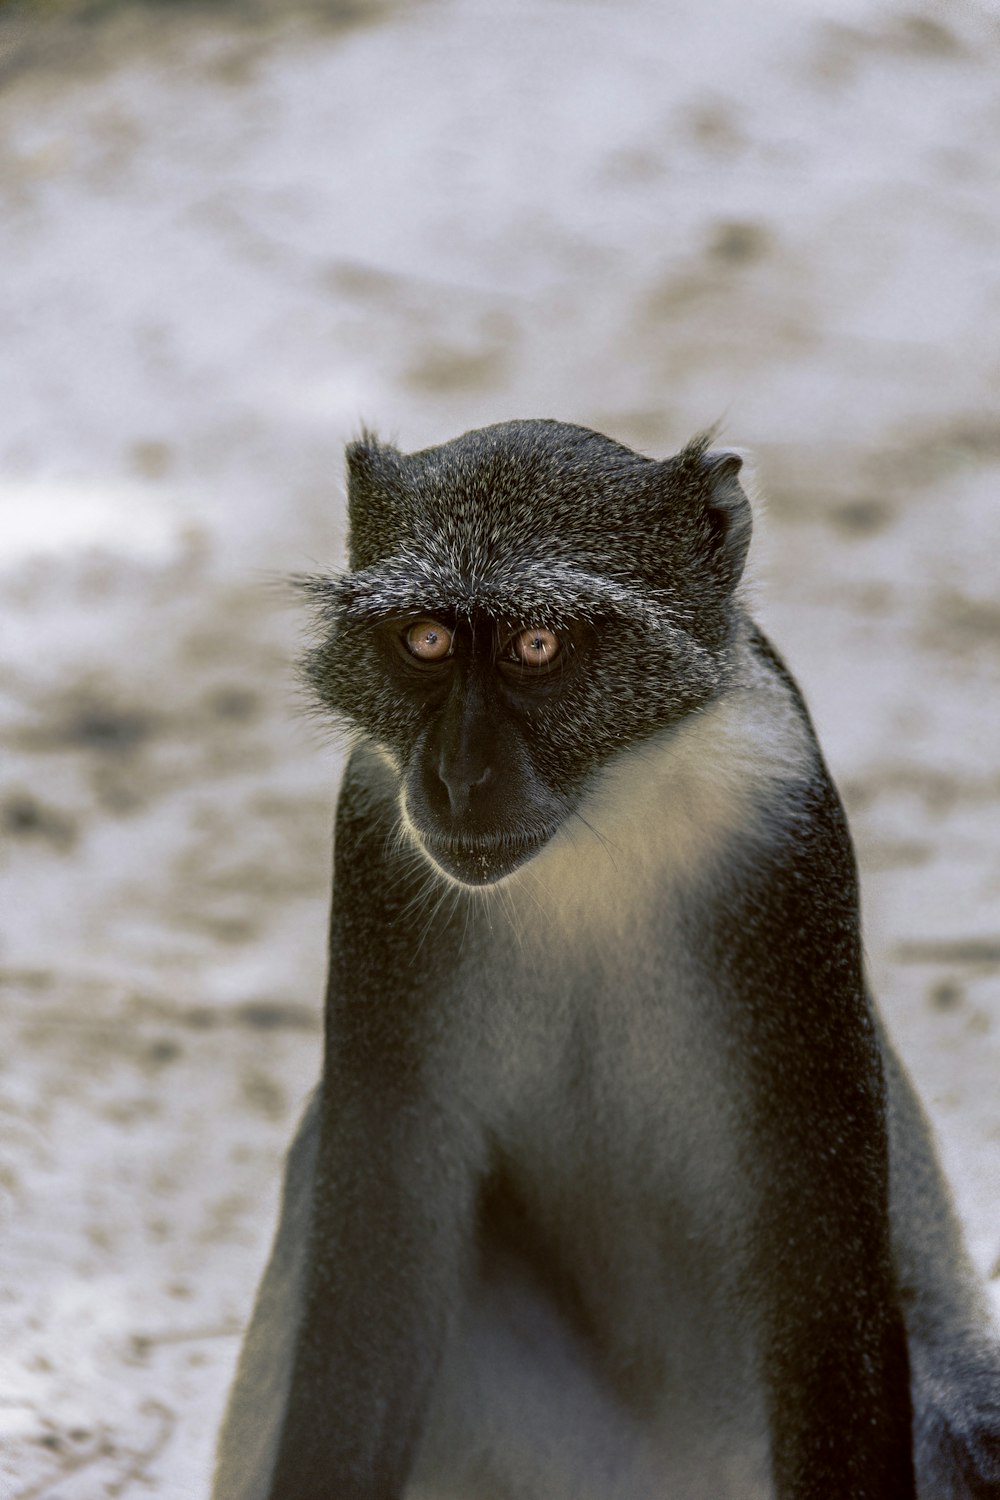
x=373 y=498
x=727 y=513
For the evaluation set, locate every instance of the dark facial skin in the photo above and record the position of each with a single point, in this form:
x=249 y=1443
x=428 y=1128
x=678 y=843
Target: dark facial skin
x=473 y=796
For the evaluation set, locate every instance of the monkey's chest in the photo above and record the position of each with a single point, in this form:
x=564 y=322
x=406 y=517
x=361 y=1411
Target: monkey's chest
x=622 y=1128
x=620 y=1196
x=606 y=1348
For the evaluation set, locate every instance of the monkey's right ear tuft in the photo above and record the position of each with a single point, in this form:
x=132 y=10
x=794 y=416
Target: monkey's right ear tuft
x=365 y=454
x=373 y=484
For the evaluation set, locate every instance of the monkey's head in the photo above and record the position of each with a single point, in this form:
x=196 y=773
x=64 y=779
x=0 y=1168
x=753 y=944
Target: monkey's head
x=521 y=604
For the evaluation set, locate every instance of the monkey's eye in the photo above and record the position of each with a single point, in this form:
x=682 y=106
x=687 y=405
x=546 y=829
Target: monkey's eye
x=429 y=640
x=535 y=647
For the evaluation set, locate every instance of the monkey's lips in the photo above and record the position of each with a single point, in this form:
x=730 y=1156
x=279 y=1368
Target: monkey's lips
x=484 y=860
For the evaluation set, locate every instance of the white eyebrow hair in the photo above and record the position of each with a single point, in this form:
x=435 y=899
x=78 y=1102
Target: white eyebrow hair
x=548 y=591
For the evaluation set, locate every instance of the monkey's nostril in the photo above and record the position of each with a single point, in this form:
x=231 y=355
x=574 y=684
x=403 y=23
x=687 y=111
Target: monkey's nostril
x=458 y=797
x=460 y=785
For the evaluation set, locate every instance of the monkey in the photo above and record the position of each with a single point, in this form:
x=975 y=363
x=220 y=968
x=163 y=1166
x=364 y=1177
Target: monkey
x=612 y=1187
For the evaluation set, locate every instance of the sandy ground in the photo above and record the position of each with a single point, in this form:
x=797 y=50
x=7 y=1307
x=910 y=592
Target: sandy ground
x=225 y=244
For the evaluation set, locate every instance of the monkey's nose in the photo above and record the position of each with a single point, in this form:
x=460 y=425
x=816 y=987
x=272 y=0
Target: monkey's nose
x=461 y=784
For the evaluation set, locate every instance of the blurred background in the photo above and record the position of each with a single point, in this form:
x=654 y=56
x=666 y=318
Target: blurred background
x=228 y=234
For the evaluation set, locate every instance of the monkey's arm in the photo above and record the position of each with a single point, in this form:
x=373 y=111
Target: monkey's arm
x=256 y=1404
x=954 y=1352
x=378 y=1213
x=833 y=1346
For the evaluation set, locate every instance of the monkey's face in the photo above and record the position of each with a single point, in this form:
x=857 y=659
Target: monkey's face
x=497 y=727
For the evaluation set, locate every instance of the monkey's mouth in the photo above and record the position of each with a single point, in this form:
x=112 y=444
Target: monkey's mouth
x=482 y=861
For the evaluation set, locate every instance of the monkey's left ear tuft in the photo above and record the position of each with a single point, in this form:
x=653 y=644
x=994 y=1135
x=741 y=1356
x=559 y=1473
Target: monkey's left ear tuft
x=727 y=513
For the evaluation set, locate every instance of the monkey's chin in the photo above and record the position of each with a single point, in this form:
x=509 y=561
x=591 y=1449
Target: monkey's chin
x=477 y=863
